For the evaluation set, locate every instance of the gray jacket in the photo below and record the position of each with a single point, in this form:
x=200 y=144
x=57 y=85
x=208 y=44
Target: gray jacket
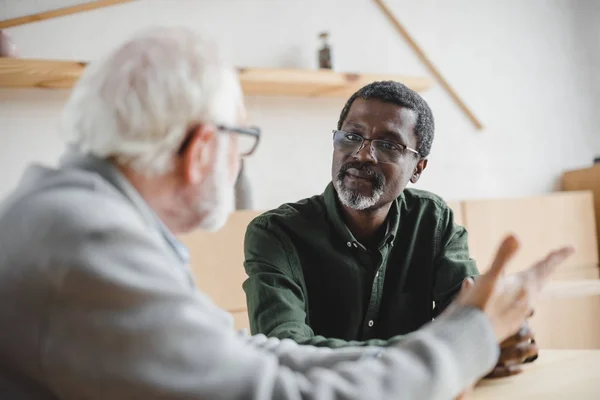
x=96 y=302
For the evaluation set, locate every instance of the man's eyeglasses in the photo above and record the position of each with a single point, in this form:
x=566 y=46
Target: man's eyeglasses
x=384 y=151
x=247 y=142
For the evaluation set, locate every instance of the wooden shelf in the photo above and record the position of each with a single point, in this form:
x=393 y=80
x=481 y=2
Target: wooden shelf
x=48 y=74
x=52 y=74
x=316 y=83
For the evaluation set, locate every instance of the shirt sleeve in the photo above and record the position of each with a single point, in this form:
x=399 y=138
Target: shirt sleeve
x=122 y=325
x=275 y=292
x=453 y=263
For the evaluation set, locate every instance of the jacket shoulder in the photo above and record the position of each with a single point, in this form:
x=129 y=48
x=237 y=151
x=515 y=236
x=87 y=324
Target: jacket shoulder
x=292 y=214
x=51 y=205
x=423 y=198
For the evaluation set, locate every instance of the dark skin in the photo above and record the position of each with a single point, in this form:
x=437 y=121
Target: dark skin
x=514 y=352
x=375 y=119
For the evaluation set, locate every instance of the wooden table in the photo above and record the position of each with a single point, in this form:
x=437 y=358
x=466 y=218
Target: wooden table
x=556 y=374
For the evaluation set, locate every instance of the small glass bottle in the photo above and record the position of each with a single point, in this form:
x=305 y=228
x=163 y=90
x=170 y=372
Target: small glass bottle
x=325 y=52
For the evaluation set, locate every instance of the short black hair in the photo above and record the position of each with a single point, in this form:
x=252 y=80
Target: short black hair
x=400 y=94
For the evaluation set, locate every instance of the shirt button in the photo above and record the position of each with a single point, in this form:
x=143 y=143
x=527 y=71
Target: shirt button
x=371 y=323
x=355 y=245
x=349 y=244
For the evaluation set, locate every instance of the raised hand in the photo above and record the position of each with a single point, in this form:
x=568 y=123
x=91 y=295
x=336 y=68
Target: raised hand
x=508 y=300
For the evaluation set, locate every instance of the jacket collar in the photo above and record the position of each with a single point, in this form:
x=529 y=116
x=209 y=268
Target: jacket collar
x=112 y=175
x=334 y=212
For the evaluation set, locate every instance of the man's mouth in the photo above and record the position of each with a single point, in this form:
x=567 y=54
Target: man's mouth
x=359 y=174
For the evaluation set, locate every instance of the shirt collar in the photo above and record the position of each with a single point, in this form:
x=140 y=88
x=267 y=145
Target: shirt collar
x=333 y=207
x=113 y=176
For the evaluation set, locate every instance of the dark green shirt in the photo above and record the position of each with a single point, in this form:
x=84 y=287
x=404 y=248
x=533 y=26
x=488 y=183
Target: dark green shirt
x=310 y=280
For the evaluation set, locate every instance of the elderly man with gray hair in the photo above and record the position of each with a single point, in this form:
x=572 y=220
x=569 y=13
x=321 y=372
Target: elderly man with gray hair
x=97 y=301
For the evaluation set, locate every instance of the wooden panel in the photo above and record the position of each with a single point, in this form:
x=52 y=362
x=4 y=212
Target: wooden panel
x=586 y=179
x=566 y=274
x=569 y=323
x=16 y=73
x=541 y=224
x=457 y=208
x=240 y=320
x=217 y=260
x=560 y=289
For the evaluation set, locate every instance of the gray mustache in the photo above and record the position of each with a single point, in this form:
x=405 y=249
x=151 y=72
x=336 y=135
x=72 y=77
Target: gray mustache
x=378 y=179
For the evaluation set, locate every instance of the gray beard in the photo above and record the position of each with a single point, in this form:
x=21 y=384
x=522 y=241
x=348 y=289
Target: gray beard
x=353 y=199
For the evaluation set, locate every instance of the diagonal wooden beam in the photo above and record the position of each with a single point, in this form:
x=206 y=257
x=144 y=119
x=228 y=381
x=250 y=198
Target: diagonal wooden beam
x=429 y=64
x=88 y=6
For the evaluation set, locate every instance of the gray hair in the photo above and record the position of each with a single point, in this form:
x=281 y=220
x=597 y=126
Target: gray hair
x=136 y=104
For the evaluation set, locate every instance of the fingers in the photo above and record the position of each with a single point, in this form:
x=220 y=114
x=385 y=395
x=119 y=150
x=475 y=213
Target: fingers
x=508 y=302
x=502 y=371
x=541 y=270
x=506 y=251
x=524 y=335
x=519 y=347
x=467 y=283
x=516 y=355
x=532 y=358
x=512 y=314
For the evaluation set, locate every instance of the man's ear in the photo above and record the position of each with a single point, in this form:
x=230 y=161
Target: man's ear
x=419 y=168
x=197 y=156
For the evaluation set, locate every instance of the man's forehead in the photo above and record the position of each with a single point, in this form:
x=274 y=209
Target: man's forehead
x=386 y=115
x=408 y=116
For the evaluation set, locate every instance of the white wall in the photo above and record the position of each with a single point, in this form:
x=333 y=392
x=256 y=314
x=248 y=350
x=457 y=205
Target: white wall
x=589 y=30
x=523 y=66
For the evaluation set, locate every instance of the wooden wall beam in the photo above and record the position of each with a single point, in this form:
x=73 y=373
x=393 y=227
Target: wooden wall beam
x=429 y=64
x=91 y=5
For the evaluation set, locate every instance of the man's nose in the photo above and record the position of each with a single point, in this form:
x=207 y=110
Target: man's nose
x=365 y=153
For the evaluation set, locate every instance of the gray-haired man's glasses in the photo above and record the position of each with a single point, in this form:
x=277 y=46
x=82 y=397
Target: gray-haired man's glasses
x=247 y=142
x=384 y=151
